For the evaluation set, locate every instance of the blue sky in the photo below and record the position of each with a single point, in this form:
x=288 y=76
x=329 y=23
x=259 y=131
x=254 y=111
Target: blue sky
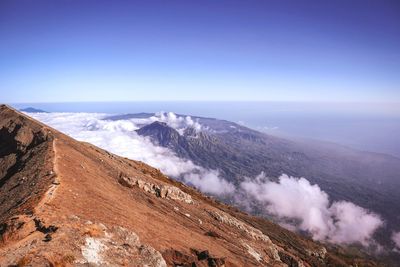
x=93 y=50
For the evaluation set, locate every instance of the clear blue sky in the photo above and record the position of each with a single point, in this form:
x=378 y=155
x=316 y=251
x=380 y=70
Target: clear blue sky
x=95 y=50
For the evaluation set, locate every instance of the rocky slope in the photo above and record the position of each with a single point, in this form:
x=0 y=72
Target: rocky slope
x=67 y=203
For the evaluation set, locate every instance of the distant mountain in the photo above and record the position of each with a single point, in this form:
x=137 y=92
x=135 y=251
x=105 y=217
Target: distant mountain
x=33 y=110
x=165 y=135
x=370 y=180
x=68 y=203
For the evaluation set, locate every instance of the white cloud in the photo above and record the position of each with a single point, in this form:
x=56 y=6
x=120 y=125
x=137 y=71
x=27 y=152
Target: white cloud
x=119 y=137
x=292 y=198
x=353 y=223
x=179 y=123
x=396 y=240
x=209 y=182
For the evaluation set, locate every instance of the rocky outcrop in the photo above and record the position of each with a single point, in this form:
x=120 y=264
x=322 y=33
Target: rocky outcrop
x=290 y=260
x=319 y=253
x=194 y=258
x=270 y=248
x=117 y=246
x=100 y=245
x=159 y=190
x=247 y=229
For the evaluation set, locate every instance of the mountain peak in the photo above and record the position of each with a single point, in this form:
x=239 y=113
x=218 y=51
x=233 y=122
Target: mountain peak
x=157 y=125
x=161 y=133
x=63 y=203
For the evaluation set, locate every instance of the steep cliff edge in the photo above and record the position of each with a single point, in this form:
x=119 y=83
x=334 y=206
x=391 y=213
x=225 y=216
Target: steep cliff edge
x=67 y=203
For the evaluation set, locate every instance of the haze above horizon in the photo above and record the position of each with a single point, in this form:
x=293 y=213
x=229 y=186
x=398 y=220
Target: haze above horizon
x=55 y=51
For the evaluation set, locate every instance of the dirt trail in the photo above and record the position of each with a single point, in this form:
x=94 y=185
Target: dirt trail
x=50 y=193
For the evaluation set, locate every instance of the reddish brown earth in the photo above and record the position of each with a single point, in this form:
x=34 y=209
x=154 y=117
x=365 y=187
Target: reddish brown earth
x=68 y=203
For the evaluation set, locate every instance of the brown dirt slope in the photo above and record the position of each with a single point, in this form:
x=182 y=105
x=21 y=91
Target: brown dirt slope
x=68 y=203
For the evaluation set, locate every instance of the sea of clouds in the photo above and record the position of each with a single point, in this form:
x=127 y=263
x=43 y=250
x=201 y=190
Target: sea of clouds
x=290 y=198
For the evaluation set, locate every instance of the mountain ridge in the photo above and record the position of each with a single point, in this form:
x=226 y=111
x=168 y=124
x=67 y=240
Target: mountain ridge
x=85 y=205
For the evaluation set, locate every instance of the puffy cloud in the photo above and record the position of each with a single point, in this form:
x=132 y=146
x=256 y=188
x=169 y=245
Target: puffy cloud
x=295 y=198
x=179 y=123
x=209 y=182
x=396 y=240
x=353 y=223
x=120 y=137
